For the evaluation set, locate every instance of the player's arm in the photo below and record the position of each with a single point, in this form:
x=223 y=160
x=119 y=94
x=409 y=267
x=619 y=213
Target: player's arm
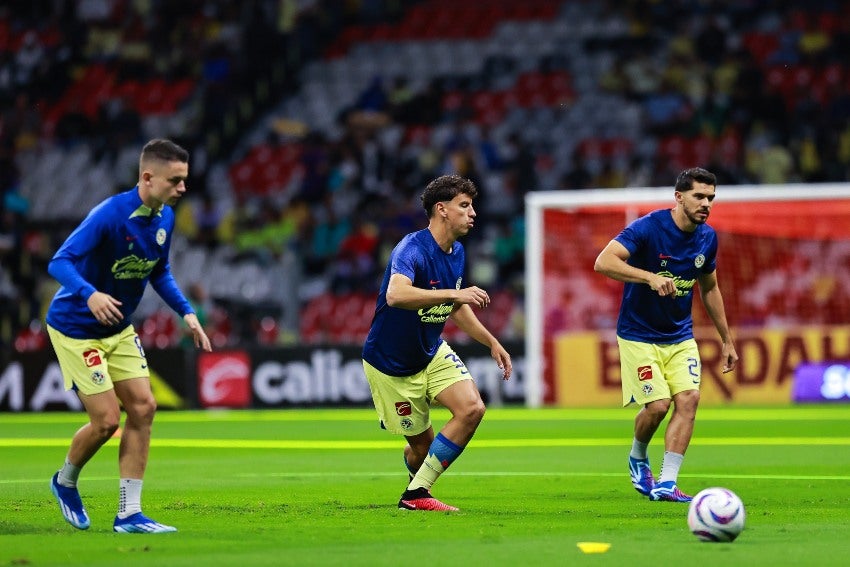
x=164 y=284
x=613 y=262
x=403 y=294
x=63 y=267
x=466 y=320
x=713 y=301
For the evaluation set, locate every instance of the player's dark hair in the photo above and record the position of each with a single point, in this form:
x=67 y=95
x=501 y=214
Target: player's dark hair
x=685 y=181
x=164 y=150
x=446 y=188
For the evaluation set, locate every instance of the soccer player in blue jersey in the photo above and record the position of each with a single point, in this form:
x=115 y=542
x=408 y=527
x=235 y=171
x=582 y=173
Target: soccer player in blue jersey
x=407 y=363
x=103 y=268
x=660 y=257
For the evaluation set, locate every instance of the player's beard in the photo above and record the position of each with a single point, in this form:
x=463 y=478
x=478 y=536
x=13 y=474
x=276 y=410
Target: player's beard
x=695 y=219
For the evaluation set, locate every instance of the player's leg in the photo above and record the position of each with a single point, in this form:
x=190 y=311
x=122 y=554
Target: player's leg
x=451 y=385
x=683 y=376
x=643 y=383
x=440 y=451
x=417 y=449
x=403 y=408
x=133 y=388
x=85 y=370
x=464 y=402
x=140 y=406
x=104 y=415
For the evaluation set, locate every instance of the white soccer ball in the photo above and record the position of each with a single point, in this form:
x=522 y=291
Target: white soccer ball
x=716 y=514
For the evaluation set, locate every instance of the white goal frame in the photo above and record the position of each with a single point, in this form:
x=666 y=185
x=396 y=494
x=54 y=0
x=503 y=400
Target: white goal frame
x=537 y=202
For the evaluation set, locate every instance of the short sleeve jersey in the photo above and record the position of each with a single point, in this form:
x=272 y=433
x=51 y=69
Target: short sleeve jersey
x=657 y=245
x=118 y=248
x=402 y=342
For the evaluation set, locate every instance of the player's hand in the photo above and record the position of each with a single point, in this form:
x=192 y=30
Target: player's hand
x=105 y=308
x=663 y=285
x=473 y=295
x=729 y=356
x=201 y=339
x=503 y=360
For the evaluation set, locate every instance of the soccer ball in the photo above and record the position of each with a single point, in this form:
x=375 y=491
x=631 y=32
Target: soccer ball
x=716 y=514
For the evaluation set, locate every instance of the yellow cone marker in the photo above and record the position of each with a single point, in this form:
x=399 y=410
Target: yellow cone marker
x=593 y=546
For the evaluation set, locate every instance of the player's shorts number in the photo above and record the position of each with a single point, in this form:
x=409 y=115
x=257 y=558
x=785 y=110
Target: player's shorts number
x=458 y=362
x=139 y=346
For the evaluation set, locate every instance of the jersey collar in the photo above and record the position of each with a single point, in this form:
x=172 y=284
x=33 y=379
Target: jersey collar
x=145 y=211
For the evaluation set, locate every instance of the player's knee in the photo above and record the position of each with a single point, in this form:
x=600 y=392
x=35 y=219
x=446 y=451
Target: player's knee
x=657 y=410
x=474 y=412
x=142 y=410
x=105 y=426
x=686 y=403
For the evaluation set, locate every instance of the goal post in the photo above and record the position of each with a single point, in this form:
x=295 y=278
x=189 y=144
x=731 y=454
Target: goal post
x=783 y=268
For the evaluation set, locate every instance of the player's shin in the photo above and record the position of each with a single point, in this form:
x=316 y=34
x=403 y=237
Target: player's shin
x=441 y=454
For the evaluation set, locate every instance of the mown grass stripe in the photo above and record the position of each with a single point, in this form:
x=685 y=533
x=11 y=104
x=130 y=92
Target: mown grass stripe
x=837 y=412
x=570 y=474
x=393 y=443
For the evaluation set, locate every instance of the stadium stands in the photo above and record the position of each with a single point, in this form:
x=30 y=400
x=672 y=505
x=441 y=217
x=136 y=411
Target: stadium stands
x=334 y=115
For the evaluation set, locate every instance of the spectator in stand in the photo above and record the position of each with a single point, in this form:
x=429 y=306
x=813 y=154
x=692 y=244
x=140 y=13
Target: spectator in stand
x=315 y=160
x=355 y=267
x=208 y=218
x=520 y=167
x=74 y=127
x=578 y=176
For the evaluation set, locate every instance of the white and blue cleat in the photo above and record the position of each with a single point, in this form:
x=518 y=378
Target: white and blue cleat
x=70 y=504
x=668 y=492
x=641 y=475
x=138 y=523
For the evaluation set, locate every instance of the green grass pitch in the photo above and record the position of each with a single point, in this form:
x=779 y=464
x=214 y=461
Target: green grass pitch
x=320 y=487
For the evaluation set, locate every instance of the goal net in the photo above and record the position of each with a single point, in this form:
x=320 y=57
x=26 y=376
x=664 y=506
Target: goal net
x=783 y=267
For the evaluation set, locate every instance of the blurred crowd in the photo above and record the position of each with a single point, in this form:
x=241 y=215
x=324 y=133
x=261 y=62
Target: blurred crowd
x=755 y=91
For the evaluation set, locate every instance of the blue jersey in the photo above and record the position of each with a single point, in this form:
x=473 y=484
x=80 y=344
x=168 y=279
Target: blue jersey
x=402 y=342
x=117 y=249
x=657 y=245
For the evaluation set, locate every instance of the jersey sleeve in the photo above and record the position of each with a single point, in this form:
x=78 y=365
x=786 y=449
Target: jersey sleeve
x=163 y=282
x=633 y=236
x=405 y=260
x=711 y=258
x=81 y=242
x=165 y=285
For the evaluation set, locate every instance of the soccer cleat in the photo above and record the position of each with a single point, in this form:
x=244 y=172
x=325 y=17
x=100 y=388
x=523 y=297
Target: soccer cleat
x=70 y=504
x=668 y=492
x=138 y=523
x=421 y=499
x=641 y=474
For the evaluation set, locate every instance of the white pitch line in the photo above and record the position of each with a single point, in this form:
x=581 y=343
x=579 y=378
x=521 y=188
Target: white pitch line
x=576 y=474
x=842 y=478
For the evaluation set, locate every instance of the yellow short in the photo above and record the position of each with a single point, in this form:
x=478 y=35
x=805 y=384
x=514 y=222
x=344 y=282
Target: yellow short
x=404 y=404
x=652 y=372
x=93 y=365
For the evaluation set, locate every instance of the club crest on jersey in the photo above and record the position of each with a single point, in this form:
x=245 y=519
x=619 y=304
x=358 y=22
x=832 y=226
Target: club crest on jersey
x=647 y=389
x=97 y=378
x=160 y=236
x=406 y=423
x=699 y=261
